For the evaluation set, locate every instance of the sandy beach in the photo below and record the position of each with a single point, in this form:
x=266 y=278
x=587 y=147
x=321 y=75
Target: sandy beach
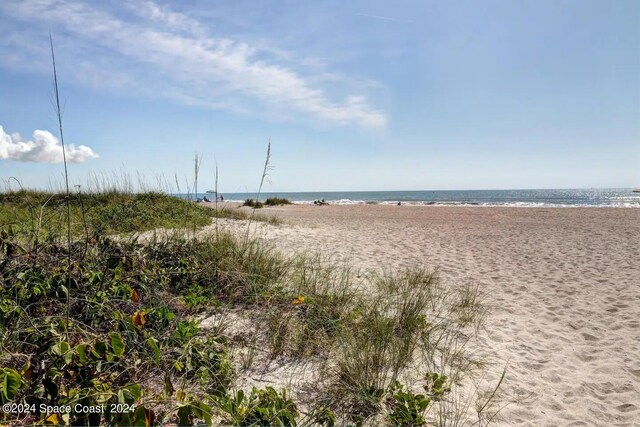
x=563 y=285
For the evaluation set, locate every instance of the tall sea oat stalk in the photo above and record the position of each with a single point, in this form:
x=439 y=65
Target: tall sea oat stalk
x=216 y=192
x=265 y=176
x=66 y=181
x=197 y=162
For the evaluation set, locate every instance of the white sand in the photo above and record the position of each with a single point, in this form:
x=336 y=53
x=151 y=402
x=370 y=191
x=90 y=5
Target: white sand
x=564 y=285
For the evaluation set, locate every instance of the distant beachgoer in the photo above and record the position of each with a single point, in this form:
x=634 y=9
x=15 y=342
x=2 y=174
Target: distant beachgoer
x=399 y=203
x=221 y=198
x=205 y=199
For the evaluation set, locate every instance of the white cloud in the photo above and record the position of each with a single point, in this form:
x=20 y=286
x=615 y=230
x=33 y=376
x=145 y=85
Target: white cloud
x=161 y=53
x=45 y=148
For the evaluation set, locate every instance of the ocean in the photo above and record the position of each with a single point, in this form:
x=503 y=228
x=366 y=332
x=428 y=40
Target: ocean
x=619 y=198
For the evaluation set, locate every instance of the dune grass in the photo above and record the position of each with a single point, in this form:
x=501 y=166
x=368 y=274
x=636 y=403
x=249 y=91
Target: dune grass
x=44 y=215
x=113 y=212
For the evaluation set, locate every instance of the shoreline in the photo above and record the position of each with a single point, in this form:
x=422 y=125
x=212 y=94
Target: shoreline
x=587 y=197
x=517 y=205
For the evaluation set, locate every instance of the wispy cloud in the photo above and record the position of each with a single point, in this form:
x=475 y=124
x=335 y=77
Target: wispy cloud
x=384 y=18
x=44 y=148
x=148 y=49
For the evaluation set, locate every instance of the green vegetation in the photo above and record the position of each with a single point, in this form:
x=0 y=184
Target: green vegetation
x=112 y=212
x=255 y=204
x=275 y=201
x=261 y=407
x=272 y=201
x=409 y=409
x=127 y=327
x=43 y=215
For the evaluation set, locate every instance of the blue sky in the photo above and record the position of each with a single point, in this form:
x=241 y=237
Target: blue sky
x=359 y=95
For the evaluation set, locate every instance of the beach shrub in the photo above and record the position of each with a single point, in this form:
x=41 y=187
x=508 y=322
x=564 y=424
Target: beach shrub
x=409 y=409
x=405 y=407
x=260 y=407
x=275 y=201
x=256 y=204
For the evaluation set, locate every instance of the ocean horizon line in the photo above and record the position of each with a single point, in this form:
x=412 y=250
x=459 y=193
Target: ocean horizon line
x=428 y=190
x=621 y=197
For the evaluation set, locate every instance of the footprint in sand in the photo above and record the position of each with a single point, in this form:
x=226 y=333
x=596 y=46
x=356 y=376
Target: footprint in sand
x=589 y=337
x=626 y=407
